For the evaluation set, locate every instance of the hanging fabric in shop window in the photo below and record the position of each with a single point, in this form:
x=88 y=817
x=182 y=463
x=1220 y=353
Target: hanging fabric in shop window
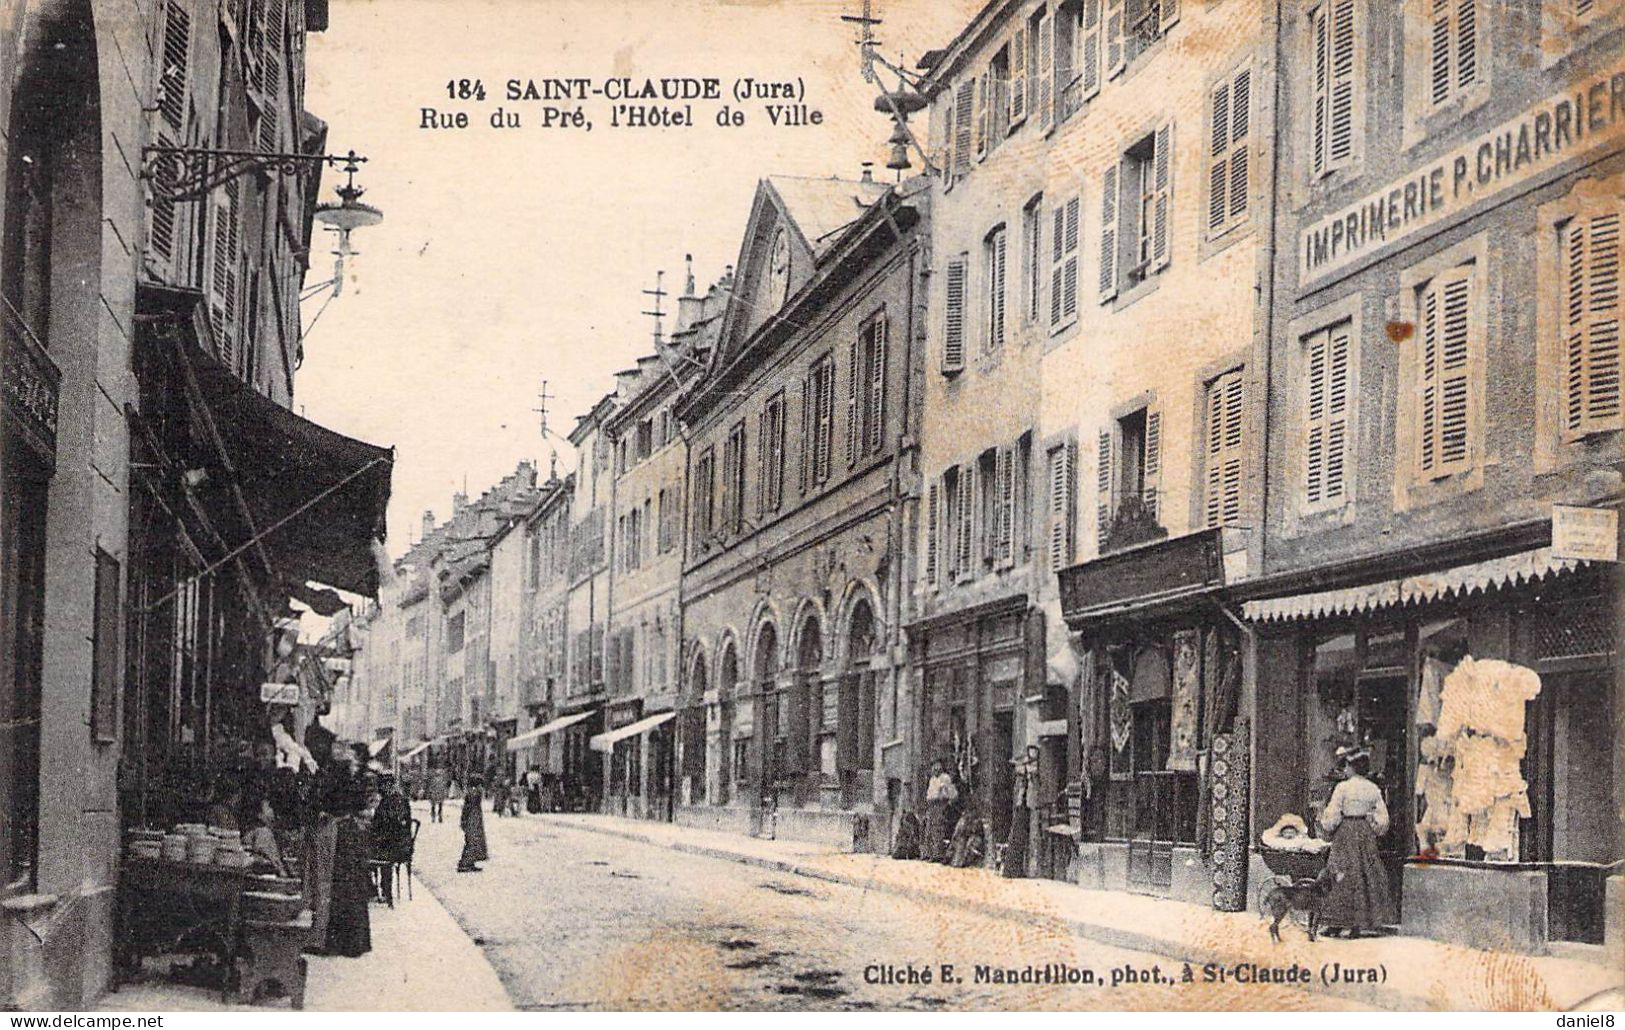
x=1229 y=779
x=1187 y=688
x=1122 y=719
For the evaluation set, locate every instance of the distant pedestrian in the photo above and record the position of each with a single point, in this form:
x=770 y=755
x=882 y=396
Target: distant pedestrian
x=533 y=791
x=499 y=798
x=473 y=829
x=437 y=794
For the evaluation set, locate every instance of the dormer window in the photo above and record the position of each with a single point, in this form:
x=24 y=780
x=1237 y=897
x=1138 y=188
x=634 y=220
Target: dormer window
x=778 y=269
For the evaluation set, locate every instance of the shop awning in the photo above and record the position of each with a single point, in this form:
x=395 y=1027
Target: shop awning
x=377 y=747
x=415 y=751
x=530 y=737
x=1165 y=576
x=1532 y=566
x=313 y=500
x=606 y=741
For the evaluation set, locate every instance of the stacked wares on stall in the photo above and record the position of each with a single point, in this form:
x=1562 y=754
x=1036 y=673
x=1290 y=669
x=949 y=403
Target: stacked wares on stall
x=173 y=848
x=200 y=849
x=146 y=843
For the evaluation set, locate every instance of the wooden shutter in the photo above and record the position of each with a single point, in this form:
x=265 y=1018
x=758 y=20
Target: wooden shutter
x=826 y=419
x=1116 y=50
x=996 y=288
x=1046 y=71
x=1320 y=83
x=1444 y=379
x=764 y=483
x=1057 y=283
x=1162 y=171
x=1069 y=259
x=1344 y=85
x=223 y=273
x=1169 y=14
x=967 y=520
x=1453 y=48
x=1108 y=233
x=964 y=124
x=1105 y=474
x=877 y=386
x=1018 y=77
x=953 y=335
x=1066 y=42
x=1591 y=323
x=1150 y=489
x=854 y=375
x=1007 y=506
x=161 y=225
x=1222 y=457
x=1326 y=422
x=933 y=531
x=1058 y=550
x=175 y=73
x=950 y=134
x=1089 y=48
x=808 y=405
x=1229 y=183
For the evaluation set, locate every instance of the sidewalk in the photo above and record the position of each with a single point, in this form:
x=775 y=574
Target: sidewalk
x=1408 y=973
x=420 y=961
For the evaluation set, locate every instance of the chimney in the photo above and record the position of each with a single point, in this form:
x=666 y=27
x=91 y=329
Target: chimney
x=868 y=171
x=428 y=524
x=459 y=501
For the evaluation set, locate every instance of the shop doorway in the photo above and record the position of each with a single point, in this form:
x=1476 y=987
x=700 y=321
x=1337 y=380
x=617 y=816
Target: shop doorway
x=1001 y=745
x=1573 y=763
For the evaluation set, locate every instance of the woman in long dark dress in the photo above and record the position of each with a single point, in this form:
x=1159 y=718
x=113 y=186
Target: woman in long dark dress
x=1358 y=900
x=473 y=829
x=349 y=925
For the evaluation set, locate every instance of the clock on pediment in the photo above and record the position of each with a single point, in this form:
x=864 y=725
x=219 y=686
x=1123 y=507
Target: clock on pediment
x=778 y=269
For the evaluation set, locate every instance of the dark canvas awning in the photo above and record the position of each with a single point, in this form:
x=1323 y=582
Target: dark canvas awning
x=315 y=500
x=318 y=497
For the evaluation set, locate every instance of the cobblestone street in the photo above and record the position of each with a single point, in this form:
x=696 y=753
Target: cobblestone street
x=574 y=919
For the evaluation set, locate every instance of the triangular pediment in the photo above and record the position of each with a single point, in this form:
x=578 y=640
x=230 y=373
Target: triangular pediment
x=793 y=224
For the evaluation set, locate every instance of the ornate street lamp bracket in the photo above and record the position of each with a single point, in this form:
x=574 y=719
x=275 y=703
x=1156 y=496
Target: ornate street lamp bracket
x=191 y=173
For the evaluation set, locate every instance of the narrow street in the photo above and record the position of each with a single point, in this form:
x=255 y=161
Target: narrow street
x=573 y=919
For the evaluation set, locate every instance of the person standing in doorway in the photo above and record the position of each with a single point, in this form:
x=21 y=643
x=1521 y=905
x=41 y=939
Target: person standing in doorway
x=941 y=798
x=1358 y=900
x=473 y=823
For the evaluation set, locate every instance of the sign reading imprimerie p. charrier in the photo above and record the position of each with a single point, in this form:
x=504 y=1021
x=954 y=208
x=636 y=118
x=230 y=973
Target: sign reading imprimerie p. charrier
x=1544 y=135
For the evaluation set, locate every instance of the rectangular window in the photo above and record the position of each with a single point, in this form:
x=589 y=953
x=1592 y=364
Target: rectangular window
x=1589 y=252
x=1229 y=152
x=1453 y=48
x=1068 y=80
x=1223 y=458
x=821 y=385
x=953 y=512
x=1336 y=85
x=1063 y=275
x=1327 y=357
x=1449 y=343
x=454 y=633
x=703 y=492
x=646 y=439
x=989 y=510
x=994 y=247
x=1032 y=251
x=1019 y=57
x=733 y=480
x=770 y=455
x=953 y=327
x=1090 y=40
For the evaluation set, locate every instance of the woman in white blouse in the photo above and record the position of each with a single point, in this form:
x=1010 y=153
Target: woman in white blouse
x=1358 y=900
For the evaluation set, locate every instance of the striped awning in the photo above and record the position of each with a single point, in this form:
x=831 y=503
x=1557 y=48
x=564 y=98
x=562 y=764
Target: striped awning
x=1513 y=570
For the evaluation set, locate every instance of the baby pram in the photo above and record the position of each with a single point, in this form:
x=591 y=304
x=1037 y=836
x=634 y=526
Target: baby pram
x=1299 y=882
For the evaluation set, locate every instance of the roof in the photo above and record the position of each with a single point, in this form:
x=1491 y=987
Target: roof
x=821 y=208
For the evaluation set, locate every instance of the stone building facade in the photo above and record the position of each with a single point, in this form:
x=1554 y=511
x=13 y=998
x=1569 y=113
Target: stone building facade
x=799 y=509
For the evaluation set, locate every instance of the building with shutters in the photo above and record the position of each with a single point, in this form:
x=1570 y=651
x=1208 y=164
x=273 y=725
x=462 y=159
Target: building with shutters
x=800 y=508
x=149 y=343
x=1445 y=452
x=643 y=664
x=1100 y=245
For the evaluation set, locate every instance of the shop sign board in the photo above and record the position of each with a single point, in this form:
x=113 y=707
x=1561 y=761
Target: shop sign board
x=279 y=693
x=1586 y=117
x=1587 y=534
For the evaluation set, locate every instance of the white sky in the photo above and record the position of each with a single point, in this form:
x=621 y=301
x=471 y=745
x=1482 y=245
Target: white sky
x=506 y=257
